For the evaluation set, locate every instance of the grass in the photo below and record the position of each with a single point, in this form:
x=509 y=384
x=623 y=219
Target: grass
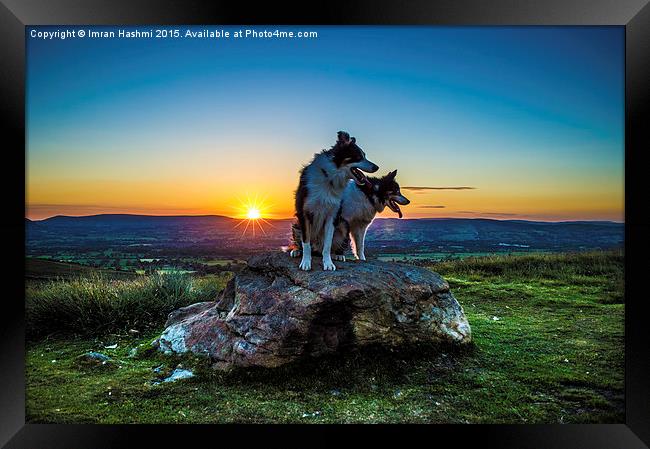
x=96 y=304
x=548 y=348
x=566 y=267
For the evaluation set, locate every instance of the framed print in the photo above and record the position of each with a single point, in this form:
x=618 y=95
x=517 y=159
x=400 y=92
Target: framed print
x=368 y=213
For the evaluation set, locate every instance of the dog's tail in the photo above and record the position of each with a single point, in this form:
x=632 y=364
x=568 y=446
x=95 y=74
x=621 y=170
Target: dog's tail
x=345 y=245
x=296 y=235
x=296 y=238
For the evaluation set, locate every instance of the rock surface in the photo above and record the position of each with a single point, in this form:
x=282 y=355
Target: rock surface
x=94 y=359
x=179 y=374
x=272 y=313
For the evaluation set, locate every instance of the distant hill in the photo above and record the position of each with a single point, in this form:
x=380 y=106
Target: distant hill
x=485 y=235
x=212 y=234
x=42 y=269
x=212 y=242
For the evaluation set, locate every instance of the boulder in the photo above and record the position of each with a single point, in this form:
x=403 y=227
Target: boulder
x=272 y=313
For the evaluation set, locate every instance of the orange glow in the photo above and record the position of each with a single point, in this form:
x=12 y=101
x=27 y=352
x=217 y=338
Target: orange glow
x=251 y=211
x=252 y=208
x=271 y=196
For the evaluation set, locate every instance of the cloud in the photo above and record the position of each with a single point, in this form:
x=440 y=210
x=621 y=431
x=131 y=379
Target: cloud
x=80 y=206
x=427 y=206
x=486 y=213
x=106 y=209
x=437 y=188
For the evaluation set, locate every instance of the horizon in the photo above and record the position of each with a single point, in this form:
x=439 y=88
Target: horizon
x=506 y=123
x=292 y=218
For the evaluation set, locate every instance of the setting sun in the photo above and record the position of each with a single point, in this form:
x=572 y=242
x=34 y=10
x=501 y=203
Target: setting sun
x=253 y=213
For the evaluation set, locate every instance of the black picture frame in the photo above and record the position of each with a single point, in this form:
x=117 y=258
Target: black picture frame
x=634 y=15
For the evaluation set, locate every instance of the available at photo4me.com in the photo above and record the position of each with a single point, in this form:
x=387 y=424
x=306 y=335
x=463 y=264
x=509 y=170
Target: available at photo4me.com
x=172 y=33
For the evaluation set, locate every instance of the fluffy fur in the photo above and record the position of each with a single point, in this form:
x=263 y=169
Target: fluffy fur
x=359 y=206
x=319 y=194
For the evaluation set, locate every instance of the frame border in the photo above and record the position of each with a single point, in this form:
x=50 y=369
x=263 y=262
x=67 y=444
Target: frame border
x=633 y=14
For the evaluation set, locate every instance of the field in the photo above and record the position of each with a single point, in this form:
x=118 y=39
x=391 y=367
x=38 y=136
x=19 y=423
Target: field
x=548 y=348
x=439 y=256
x=42 y=269
x=214 y=244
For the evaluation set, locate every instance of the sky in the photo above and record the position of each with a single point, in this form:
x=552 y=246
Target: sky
x=489 y=122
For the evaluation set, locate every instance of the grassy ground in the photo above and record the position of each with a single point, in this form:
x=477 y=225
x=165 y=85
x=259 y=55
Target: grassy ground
x=548 y=348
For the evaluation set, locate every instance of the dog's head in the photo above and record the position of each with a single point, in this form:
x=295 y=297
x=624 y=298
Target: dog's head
x=348 y=156
x=387 y=193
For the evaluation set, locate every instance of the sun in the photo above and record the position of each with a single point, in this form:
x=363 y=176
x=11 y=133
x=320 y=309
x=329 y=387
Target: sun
x=253 y=213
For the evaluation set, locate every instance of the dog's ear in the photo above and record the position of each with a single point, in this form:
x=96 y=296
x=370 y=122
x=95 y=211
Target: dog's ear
x=342 y=138
x=353 y=140
x=390 y=176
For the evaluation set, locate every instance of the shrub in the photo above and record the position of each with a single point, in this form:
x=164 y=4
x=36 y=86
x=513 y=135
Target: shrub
x=557 y=266
x=96 y=304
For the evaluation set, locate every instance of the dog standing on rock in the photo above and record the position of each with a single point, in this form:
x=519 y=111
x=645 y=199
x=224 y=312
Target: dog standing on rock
x=359 y=206
x=319 y=193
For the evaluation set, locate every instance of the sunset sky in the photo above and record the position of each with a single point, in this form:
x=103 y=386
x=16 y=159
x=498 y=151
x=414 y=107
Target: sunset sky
x=529 y=120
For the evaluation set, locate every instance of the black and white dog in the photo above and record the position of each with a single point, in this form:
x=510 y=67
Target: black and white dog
x=319 y=194
x=360 y=204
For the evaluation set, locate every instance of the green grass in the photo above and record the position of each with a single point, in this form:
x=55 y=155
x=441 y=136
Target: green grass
x=553 y=354
x=96 y=304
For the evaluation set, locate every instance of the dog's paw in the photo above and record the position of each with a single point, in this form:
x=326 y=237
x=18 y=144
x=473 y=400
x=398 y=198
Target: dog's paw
x=339 y=257
x=295 y=253
x=328 y=265
x=305 y=265
x=361 y=258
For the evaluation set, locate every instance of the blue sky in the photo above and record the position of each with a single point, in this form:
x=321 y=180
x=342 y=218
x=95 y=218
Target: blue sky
x=533 y=117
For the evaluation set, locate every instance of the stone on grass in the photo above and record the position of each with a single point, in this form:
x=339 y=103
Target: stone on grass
x=272 y=313
x=94 y=360
x=179 y=374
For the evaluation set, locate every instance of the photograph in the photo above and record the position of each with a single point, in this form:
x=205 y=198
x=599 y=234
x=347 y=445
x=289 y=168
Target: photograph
x=325 y=224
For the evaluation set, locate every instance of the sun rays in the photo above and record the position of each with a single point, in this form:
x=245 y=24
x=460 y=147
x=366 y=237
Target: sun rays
x=251 y=212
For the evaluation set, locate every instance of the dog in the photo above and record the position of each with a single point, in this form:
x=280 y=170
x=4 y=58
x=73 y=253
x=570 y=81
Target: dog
x=319 y=194
x=360 y=204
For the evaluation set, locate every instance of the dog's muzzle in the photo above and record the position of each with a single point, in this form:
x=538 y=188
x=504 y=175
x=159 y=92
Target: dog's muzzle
x=397 y=199
x=367 y=166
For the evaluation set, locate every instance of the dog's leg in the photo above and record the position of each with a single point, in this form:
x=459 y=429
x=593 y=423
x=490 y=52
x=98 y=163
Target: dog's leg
x=359 y=237
x=305 y=263
x=328 y=234
x=362 y=245
x=353 y=240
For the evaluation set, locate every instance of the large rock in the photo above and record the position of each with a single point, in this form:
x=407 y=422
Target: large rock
x=272 y=313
